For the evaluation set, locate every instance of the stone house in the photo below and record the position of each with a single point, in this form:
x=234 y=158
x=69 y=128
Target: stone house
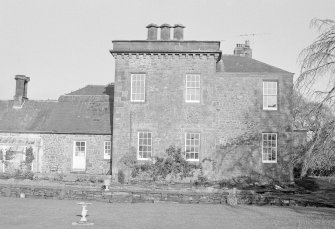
x=231 y=113
x=71 y=134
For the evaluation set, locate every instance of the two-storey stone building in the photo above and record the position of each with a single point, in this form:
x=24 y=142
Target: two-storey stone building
x=229 y=112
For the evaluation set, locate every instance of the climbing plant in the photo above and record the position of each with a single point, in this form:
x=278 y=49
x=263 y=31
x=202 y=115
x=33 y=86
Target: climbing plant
x=29 y=157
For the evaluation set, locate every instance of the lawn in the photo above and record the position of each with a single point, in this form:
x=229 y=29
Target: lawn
x=41 y=213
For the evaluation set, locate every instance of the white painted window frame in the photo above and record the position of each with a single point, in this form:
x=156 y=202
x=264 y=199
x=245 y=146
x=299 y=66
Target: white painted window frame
x=74 y=146
x=195 y=87
x=196 y=160
x=138 y=146
x=106 y=155
x=276 y=147
x=132 y=93
x=266 y=95
x=74 y=151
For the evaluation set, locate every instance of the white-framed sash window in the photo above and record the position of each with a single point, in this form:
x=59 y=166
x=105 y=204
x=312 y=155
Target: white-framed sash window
x=269 y=147
x=137 y=88
x=192 y=146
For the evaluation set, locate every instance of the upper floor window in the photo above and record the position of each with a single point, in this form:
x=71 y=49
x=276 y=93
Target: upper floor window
x=269 y=148
x=137 y=87
x=192 y=146
x=107 y=149
x=193 y=88
x=144 y=145
x=270 y=95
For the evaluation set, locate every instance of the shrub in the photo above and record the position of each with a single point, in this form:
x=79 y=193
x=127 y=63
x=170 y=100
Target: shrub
x=6 y=156
x=120 y=177
x=29 y=157
x=28 y=175
x=19 y=174
x=174 y=165
x=201 y=180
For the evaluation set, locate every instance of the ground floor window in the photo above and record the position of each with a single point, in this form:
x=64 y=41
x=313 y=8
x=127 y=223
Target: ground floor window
x=107 y=149
x=269 y=148
x=144 y=150
x=192 y=146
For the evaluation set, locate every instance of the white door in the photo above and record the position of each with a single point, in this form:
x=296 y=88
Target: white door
x=79 y=155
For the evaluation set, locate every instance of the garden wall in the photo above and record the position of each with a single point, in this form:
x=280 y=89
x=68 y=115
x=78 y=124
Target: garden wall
x=183 y=196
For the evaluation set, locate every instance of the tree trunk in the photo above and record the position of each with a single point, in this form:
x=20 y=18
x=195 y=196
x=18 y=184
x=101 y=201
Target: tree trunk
x=307 y=158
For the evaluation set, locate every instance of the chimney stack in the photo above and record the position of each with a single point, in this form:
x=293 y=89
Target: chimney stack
x=165 y=32
x=243 y=49
x=178 y=32
x=152 y=31
x=21 y=90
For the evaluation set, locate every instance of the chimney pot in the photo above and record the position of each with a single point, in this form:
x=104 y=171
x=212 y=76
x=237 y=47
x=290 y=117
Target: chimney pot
x=243 y=49
x=247 y=43
x=152 y=31
x=21 y=90
x=178 y=32
x=165 y=32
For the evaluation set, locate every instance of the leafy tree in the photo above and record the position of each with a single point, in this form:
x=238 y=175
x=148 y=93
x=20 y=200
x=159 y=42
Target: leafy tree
x=318 y=153
x=317 y=63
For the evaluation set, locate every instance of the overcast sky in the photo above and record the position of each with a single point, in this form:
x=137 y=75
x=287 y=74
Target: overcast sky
x=63 y=45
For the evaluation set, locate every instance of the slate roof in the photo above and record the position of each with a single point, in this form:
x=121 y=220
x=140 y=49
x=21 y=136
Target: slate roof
x=85 y=111
x=92 y=90
x=234 y=63
x=30 y=118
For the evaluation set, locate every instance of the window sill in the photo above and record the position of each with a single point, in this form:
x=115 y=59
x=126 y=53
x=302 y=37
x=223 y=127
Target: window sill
x=269 y=162
x=137 y=101
x=78 y=171
x=192 y=160
x=143 y=159
x=192 y=102
x=269 y=109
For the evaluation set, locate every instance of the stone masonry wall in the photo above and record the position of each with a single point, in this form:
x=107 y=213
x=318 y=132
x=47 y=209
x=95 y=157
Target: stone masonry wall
x=164 y=112
x=241 y=120
x=230 y=109
x=58 y=153
x=54 y=152
x=183 y=196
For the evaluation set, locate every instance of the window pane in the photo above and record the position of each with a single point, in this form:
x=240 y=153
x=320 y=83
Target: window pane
x=193 y=87
x=269 y=147
x=137 y=87
x=192 y=146
x=272 y=101
x=144 y=145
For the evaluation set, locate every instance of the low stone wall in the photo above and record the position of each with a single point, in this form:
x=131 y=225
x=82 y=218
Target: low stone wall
x=113 y=196
x=154 y=196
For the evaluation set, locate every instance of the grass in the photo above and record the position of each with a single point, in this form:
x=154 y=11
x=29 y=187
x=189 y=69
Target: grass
x=40 y=213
